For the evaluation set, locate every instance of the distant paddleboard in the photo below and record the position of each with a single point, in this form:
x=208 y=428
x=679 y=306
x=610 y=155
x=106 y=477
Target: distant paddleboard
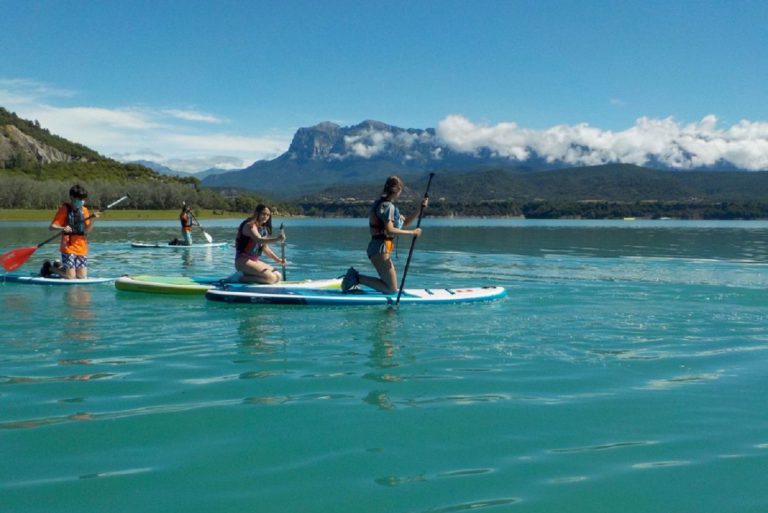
x=165 y=245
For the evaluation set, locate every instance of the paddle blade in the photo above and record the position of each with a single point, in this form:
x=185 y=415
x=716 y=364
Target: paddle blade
x=15 y=258
x=207 y=236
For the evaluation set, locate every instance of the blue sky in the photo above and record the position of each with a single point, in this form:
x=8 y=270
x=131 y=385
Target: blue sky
x=199 y=83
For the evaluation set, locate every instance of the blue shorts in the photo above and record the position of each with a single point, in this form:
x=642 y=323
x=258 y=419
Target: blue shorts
x=70 y=261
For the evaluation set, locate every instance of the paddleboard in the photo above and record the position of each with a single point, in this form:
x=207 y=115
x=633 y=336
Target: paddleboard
x=36 y=279
x=165 y=245
x=199 y=285
x=166 y=284
x=299 y=296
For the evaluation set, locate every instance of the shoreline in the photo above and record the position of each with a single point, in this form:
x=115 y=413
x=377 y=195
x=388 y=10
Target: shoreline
x=117 y=215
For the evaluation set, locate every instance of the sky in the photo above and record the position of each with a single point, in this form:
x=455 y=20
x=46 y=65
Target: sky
x=196 y=84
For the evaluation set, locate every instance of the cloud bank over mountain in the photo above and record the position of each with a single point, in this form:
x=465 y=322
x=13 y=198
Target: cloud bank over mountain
x=660 y=141
x=192 y=139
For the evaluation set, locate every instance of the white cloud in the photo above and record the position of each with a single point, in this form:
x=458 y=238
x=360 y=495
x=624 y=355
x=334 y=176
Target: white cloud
x=134 y=133
x=191 y=115
x=683 y=146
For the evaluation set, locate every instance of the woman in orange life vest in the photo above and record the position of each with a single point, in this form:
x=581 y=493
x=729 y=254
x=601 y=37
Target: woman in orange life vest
x=253 y=238
x=385 y=223
x=75 y=221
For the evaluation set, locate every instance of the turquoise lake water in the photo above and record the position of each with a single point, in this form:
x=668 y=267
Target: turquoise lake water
x=626 y=371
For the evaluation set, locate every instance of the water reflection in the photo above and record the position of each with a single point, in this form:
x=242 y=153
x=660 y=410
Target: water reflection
x=259 y=336
x=77 y=306
x=381 y=358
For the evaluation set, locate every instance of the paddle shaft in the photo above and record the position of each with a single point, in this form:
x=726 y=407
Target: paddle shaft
x=413 y=241
x=282 y=252
x=87 y=218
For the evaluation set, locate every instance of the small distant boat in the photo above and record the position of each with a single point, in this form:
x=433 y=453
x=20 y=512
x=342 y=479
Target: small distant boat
x=168 y=245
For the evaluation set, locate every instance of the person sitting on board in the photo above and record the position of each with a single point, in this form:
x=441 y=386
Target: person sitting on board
x=75 y=221
x=187 y=221
x=385 y=222
x=253 y=238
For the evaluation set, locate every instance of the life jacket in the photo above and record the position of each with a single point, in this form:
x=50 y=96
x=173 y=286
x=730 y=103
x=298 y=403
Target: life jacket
x=378 y=225
x=76 y=219
x=245 y=245
x=186 y=222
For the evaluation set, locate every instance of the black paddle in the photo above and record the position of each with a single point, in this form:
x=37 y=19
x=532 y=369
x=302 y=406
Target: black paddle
x=413 y=242
x=282 y=252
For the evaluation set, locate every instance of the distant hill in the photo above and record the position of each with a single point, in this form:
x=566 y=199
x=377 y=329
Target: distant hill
x=333 y=170
x=165 y=170
x=611 y=183
x=329 y=161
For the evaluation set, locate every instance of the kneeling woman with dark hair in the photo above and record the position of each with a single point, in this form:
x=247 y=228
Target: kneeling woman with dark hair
x=253 y=238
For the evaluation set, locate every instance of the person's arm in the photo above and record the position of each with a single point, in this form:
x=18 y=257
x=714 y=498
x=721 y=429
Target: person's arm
x=271 y=254
x=59 y=222
x=391 y=230
x=89 y=220
x=255 y=235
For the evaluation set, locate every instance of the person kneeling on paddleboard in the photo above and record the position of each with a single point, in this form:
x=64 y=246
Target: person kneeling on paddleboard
x=187 y=221
x=385 y=222
x=253 y=238
x=75 y=221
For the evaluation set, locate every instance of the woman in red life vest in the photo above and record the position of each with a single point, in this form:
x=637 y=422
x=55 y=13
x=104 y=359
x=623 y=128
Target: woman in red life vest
x=385 y=222
x=253 y=238
x=75 y=221
x=187 y=221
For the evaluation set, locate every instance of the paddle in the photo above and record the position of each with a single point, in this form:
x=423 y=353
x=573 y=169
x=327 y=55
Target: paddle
x=413 y=242
x=205 y=234
x=282 y=252
x=15 y=258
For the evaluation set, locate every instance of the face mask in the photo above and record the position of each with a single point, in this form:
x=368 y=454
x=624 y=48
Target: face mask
x=78 y=203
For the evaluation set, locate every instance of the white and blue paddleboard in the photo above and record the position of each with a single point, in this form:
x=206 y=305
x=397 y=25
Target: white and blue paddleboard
x=36 y=279
x=166 y=245
x=308 y=296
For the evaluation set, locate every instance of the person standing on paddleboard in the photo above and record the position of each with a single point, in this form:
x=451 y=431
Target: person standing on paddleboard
x=75 y=221
x=253 y=238
x=385 y=222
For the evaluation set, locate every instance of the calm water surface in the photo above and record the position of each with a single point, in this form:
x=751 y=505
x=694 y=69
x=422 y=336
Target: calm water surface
x=625 y=372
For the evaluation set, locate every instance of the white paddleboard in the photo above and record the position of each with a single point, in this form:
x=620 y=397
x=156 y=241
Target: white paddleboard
x=305 y=296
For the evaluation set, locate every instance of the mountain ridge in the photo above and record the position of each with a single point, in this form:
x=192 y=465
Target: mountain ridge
x=329 y=155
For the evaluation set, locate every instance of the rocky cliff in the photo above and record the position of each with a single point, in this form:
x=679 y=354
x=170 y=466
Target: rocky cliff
x=17 y=147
